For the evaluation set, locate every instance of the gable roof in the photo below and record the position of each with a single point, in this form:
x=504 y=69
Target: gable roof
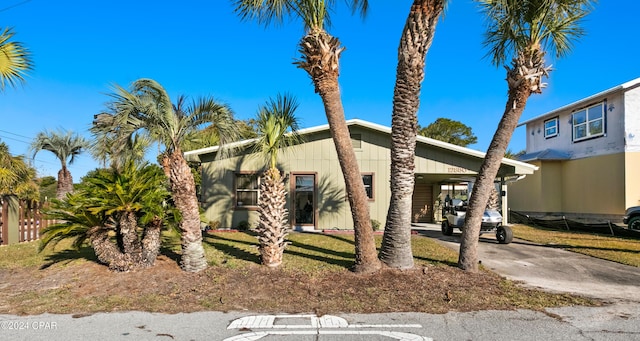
x=527 y=168
x=585 y=101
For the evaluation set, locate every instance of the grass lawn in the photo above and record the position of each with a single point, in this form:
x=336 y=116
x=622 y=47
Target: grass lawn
x=616 y=249
x=313 y=279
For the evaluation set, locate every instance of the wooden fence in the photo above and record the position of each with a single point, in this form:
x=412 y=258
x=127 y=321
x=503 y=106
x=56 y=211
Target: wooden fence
x=21 y=222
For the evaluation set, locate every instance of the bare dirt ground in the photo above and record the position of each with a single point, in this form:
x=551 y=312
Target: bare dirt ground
x=83 y=286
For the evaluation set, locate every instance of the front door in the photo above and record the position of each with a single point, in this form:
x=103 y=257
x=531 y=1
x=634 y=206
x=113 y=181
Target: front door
x=303 y=187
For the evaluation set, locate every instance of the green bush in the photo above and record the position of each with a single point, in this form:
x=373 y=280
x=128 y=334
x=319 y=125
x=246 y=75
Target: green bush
x=375 y=225
x=243 y=226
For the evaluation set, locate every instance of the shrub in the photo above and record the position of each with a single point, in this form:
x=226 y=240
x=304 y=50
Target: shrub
x=375 y=225
x=243 y=226
x=214 y=225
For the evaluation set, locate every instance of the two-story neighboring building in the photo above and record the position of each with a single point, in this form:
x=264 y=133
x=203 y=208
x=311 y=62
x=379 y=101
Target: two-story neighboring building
x=588 y=155
x=315 y=186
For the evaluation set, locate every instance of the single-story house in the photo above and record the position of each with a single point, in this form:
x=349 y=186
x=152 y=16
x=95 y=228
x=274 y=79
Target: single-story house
x=316 y=192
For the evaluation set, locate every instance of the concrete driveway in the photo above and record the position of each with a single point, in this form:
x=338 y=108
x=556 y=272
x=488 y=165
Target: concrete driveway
x=550 y=268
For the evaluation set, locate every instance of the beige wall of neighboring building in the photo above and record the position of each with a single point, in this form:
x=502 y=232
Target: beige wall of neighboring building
x=632 y=179
x=594 y=185
x=587 y=187
x=539 y=192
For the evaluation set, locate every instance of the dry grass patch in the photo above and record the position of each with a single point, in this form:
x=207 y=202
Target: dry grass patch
x=617 y=249
x=314 y=278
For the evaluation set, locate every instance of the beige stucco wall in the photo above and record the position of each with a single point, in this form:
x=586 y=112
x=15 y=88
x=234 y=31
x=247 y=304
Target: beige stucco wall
x=540 y=191
x=632 y=179
x=588 y=186
x=594 y=185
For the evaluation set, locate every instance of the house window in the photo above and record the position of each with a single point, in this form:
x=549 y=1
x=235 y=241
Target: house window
x=367 y=178
x=589 y=122
x=551 y=128
x=247 y=190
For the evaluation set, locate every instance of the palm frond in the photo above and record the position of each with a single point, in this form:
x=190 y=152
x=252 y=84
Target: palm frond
x=515 y=26
x=15 y=60
x=277 y=127
x=65 y=145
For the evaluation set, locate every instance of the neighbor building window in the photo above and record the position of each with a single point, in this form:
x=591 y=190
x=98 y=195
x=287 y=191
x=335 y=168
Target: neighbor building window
x=367 y=178
x=247 y=189
x=589 y=122
x=551 y=128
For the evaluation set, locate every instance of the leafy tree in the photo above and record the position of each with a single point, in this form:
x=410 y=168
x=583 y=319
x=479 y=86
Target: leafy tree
x=522 y=30
x=320 y=59
x=451 y=131
x=15 y=60
x=277 y=128
x=48 y=185
x=415 y=41
x=129 y=202
x=65 y=146
x=509 y=154
x=147 y=109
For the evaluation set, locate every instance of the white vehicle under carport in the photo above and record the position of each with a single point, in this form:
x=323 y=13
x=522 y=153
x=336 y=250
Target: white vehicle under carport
x=454 y=214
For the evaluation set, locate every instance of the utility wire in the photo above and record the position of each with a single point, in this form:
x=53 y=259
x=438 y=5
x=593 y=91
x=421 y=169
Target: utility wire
x=8 y=132
x=14 y=6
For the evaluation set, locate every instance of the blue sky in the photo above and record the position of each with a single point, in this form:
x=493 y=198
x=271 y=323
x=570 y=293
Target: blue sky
x=201 y=48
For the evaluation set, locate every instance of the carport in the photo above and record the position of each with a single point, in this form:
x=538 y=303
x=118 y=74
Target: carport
x=442 y=168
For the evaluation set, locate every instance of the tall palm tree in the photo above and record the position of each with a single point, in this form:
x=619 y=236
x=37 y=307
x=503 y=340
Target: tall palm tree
x=146 y=108
x=415 y=41
x=523 y=30
x=277 y=128
x=15 y=60
x=127 y=202
x=320 y=58
x=65 y=146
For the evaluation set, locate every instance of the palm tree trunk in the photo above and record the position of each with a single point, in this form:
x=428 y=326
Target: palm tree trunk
x=519 y=93
x=65 y=183
x=321 y=53
x=184 y=196
x=272 y=228
x=151 y=242
x=414 y=44
x=130 y=240
x=108 y=253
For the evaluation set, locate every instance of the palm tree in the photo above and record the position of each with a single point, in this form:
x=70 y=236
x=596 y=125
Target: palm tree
x=127 y=202
x=65 y=146
x=320 y=58
x=415 y=41
x=15 y=60
x=277 y=129
x=522 y=30
x=147 y=109
x=16 y=176
x=109 y=149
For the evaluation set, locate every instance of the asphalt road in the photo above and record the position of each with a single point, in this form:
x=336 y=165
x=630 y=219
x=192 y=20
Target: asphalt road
x=616 y=322
x=542 y=267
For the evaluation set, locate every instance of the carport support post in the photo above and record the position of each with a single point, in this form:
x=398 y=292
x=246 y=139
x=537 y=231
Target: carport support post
x=503 y=197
